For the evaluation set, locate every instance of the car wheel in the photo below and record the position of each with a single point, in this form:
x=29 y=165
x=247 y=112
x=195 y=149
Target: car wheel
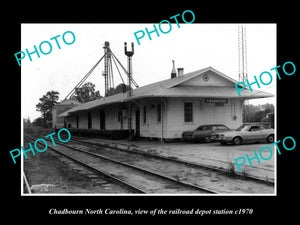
x=237 y=141
x=207 y=139
x=270 y=138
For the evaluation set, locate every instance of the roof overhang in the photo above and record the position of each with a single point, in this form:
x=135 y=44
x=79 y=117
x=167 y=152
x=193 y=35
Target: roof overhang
x=170 y=88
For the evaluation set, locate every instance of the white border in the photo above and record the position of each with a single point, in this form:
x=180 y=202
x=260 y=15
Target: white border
x=190 y=195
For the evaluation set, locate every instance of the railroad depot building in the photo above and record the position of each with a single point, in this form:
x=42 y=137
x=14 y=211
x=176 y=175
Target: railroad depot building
x=166 y=108
x=59 y=122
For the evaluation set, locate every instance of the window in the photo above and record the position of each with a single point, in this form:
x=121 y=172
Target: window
x=144 y=114
x=201 y=128
x=220 y=127
x=255 y=128
x=188 y=112
x=158 y=113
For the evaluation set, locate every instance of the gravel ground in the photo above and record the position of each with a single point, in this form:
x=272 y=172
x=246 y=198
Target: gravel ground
x=201 y=177
x=48 y=172
x=211 y=154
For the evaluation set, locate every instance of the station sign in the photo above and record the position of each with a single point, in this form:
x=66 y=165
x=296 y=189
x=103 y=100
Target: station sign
x=216 y=100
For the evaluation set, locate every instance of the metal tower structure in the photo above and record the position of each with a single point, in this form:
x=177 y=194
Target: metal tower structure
x=107 y=62
x=242 y=53
x=108 y=71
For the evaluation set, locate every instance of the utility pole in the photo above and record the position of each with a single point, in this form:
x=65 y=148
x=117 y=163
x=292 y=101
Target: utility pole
x=129 y=92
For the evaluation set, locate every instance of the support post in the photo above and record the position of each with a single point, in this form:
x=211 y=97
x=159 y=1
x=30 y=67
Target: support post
x=129 y=92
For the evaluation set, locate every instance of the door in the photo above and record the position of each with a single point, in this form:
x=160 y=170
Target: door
x=137 y=122
x=219 y=113
x=102 y=120
x=255 y=133
x=151 y=117
x=89 y=121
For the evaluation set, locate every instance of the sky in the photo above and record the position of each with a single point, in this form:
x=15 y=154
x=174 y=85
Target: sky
x=192 y=46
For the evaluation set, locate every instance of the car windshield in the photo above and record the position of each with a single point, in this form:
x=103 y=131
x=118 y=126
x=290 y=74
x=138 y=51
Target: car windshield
x=220 y=127
x=243 y=128
x=201 y=128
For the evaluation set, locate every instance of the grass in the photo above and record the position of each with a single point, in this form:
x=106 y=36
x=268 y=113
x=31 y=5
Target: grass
x=230 y=169
x=34 y=130
x=245 y=173
x=177 y=177
x=152 y=152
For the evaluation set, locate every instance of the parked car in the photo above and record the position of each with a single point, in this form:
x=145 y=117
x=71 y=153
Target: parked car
x=203 y=133
x=245 y=134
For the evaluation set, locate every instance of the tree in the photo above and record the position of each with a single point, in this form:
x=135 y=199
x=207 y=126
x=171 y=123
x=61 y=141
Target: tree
x=86 y=93
x=39 y=122
x=255 y=113
x=120 y=88
x=45 y=105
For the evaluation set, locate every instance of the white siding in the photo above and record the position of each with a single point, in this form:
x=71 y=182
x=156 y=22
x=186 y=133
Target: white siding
x=83 y=120
x=203 y=113
x=152 y=127
x=58 y=122
x=172 y=121
x=213 y=80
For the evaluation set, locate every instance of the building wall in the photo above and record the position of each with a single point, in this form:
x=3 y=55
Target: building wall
x=82 y=120
x=203 y=113
x=208 y=78
x=112 y=120
x=58 y=122
x=171 y=124
x=152 y=126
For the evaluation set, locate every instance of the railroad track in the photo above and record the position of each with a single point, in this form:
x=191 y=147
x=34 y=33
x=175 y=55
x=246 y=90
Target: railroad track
x=141 y=180
x=178 y=161
x=26 y=183
x=93 y=169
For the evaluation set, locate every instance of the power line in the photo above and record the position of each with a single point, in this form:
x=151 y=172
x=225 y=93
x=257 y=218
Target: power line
x=71 y=93
x=108 y=72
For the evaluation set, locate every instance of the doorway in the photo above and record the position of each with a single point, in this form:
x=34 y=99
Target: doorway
x=102 y=120
x=89 y=121
x=137 y=122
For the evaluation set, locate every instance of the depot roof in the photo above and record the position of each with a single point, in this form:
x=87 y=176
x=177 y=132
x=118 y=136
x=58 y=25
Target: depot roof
x=177 y=87
x=69 y=102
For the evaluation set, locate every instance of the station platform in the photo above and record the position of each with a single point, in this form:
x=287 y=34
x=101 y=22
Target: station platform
x=212 y=155
x=108 y=134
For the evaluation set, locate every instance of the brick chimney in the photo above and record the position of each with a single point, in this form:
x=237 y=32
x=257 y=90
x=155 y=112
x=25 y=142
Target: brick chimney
x=180 y=71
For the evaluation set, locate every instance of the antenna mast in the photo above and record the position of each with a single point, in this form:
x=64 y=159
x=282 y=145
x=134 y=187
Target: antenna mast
x=242 y=53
